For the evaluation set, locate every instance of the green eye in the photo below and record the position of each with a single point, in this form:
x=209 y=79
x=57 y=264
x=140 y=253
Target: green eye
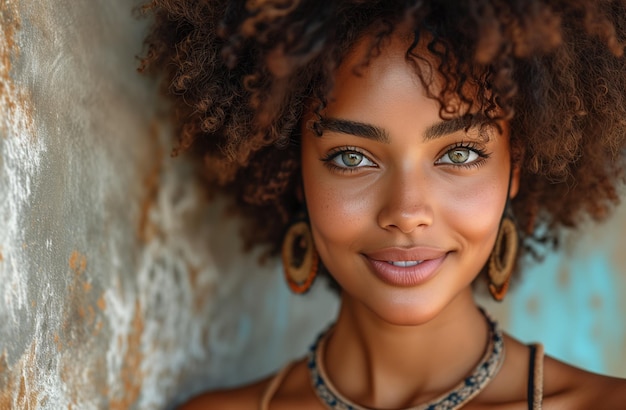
x=459 y=155
x=351 y=159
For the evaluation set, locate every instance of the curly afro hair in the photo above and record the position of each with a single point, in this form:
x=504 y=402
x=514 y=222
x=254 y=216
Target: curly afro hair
x=242 y=74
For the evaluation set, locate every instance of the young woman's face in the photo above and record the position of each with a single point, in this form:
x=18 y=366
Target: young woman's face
x=404 y=207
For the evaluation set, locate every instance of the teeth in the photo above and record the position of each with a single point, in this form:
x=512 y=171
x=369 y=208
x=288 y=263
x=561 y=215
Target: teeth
x=404 y=264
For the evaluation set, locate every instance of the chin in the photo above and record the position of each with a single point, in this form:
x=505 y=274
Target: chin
x=412 y=307
x=407 y=314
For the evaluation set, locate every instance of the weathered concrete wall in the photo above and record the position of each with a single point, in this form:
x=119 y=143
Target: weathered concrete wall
x=120 y=288
x=111 y=265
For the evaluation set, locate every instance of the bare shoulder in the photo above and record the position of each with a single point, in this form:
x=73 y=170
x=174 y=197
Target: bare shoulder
x=569 y=387
x=246 y=397
x=565 y=387
x=290 y=390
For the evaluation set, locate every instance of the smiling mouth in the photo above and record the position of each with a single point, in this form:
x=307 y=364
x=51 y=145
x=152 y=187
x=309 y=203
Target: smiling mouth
x=405 y=264
x=406 y=267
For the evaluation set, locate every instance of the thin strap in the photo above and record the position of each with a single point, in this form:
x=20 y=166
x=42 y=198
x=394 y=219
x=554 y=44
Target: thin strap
x=535 y=377
x=273 y=386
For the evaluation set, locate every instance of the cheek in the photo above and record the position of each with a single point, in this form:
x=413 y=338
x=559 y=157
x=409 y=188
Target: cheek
x=474 y=213
x=337 y=211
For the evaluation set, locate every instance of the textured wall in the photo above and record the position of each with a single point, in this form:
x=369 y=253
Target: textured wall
x=109 y=259
x=574 y=300
x=120 y=288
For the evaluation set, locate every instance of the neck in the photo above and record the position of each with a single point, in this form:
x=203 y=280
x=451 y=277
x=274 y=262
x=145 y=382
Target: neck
x=382 y=365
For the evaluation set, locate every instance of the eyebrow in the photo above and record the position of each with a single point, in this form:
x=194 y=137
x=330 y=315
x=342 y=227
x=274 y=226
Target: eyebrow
x=447 y=127
x=360 y=129
x=356 y=128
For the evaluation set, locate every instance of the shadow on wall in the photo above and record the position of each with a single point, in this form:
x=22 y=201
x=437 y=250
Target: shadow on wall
x=122 y=288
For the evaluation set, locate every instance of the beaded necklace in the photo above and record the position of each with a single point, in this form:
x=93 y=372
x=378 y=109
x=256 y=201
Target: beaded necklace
x=462 y=393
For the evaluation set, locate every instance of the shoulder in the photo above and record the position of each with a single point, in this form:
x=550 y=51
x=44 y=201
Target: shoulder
x=288 y=389
x=564 y=386
x=247 y=397
x=569 y=387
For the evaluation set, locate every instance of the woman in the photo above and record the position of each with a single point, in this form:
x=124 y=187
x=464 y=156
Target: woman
x=406 y=148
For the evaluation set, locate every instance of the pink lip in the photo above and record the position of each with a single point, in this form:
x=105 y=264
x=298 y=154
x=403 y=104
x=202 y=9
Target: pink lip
x=407 y=276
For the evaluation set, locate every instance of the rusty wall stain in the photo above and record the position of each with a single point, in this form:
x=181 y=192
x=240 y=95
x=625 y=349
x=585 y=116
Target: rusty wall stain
x=9 y=17
x=131 y=375
x=57 y=342
x=146 y=230
x=81 y=372
x=82 y=382
x=13 y=100
x=19 y=384
x=564 y=278
x=6 y=385
x=80 y=318
x=78 y=262
x=102 y=304
x=69 y=355
x=16 y=380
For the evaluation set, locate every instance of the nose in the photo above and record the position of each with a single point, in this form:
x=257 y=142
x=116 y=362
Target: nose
x=405 y=205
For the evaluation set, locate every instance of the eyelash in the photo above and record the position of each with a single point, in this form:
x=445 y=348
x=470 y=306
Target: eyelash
x=482 y=154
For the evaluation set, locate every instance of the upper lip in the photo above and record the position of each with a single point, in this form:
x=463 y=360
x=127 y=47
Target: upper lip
x=397 y=254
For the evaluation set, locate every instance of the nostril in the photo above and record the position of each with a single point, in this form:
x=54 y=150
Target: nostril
x=404 y=221
x=405 y=204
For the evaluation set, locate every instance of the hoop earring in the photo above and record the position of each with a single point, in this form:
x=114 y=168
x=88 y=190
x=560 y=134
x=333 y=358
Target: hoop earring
x=300 y=259
x=503 y=258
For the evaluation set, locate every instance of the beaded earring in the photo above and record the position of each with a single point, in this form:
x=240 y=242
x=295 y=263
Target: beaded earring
x=503 y=257
x=300 y=259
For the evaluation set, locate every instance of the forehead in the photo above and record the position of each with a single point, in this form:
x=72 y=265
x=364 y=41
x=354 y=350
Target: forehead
x=373 y=59
x=366 y=71
x=397 y=58
x=395 y=90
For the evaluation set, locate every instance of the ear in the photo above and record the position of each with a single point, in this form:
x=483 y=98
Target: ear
x=515 y=176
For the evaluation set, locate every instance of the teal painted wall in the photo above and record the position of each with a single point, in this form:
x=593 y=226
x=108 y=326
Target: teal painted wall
x=574 y=302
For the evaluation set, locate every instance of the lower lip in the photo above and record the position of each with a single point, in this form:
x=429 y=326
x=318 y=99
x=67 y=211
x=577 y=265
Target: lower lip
x=406 y=276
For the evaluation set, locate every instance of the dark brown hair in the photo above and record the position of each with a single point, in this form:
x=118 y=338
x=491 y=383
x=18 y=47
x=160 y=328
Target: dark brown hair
x=242 y=74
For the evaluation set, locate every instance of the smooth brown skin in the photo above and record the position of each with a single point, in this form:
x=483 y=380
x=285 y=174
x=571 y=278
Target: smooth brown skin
x=397 y=346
